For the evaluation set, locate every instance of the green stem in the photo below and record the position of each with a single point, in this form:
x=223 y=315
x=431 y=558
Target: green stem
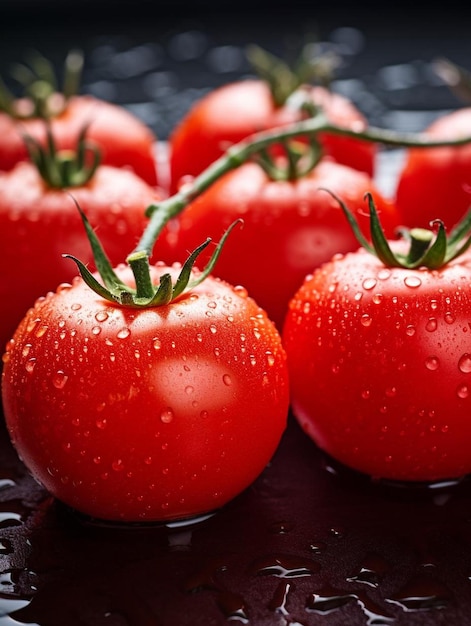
x=241 y=152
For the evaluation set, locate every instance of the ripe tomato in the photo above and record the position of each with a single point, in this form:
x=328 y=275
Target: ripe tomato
x=237 y=110
x=290 y=227
x=146 y=414
x=380 y=361
x=38 y=224
x=123 y=139
x=436 y=182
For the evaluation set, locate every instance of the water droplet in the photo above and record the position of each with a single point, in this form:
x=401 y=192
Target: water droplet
x=204 y=414
x=432 y=363
x=462 y=391
x=96 y=330
x=449 y=318
x=26 y=350
x=29 y=365
x=189 y=390
x=366 y=320
x=59 y=379
x=227 y=380
x=117 y=465
x=410 y=330
x=412 y=281
x=358 y=296
x=241 y=291
x=101 y=316
x=101 y=424
x=384 y=274
x=464 y=363
x=369 y=283
x=213 y=329
x=41 y=331
x=123 y=333
x=431 y=325
x=270 y=358
x=167 y=416
x=377 y=298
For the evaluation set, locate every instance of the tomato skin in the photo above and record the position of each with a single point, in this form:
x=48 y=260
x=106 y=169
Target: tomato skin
x=39 y=224
x=435 y=183
x=290 y=227
x=231 y=113
x=146 y=414
x=379 y=363
x=123 y=139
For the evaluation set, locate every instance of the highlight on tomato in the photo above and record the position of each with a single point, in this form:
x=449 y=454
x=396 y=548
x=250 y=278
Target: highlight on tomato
x=379 y=355
x=278 y=96
x=39 y=219
x=124 y=140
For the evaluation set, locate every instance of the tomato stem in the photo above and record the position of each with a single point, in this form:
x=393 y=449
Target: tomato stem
x=243 y=151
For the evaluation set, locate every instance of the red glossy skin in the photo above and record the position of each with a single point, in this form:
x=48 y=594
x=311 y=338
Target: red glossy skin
x=150 y=414
x=289 y=228
x=38 y=225
x=233 y=112
x=123 y=139
x=380 y=366
x=436 y=182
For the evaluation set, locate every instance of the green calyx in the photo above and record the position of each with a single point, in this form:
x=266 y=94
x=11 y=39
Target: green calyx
x=42 y=96
x=301 y=158
x=427 y=248
x=63 y=169
x=311 y=65
x=146 y=294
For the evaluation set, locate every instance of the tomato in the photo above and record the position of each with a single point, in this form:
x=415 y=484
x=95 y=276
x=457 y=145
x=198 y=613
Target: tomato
x=380 y=361
x=436 y=182
x=124 y=140
x=38 y=224
x=145 y=414
x=290 y=227
x=235 y=111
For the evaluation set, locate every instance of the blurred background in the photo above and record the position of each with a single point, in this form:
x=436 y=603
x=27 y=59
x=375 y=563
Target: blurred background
x=157 y=57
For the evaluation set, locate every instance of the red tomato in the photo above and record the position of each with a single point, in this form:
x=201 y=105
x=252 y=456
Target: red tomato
x=146 y=414
x=231 y=113
x=436 y=182
x=39 y=224
x=290 y=227
x=380 y=362
x=123 y=139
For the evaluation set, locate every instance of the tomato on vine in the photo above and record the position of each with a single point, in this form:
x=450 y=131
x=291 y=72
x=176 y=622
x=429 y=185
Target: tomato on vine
x=437 y=182
x=39 y=219
x=379 y=355
x=279 y=97
x=123 y=139
x=290 y=227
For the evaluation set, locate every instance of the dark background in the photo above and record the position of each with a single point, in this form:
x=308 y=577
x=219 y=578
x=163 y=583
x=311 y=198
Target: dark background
x=158 y=57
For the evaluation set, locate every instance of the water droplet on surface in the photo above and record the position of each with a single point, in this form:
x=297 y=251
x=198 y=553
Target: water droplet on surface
x=412 y=281
x=366 y=320
x=123 y=333
x=30 y=365
x=101 y=316
x=463 y=392
x=167 y=416
x=410 y=330
x=464 y=363
x=117 y=465
x=369 y=283
x=432 y=363
x=227 y=380
x=431 y=325
x=59 y=379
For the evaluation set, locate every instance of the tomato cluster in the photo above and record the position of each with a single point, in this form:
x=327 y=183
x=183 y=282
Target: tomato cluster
x=143 y=394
